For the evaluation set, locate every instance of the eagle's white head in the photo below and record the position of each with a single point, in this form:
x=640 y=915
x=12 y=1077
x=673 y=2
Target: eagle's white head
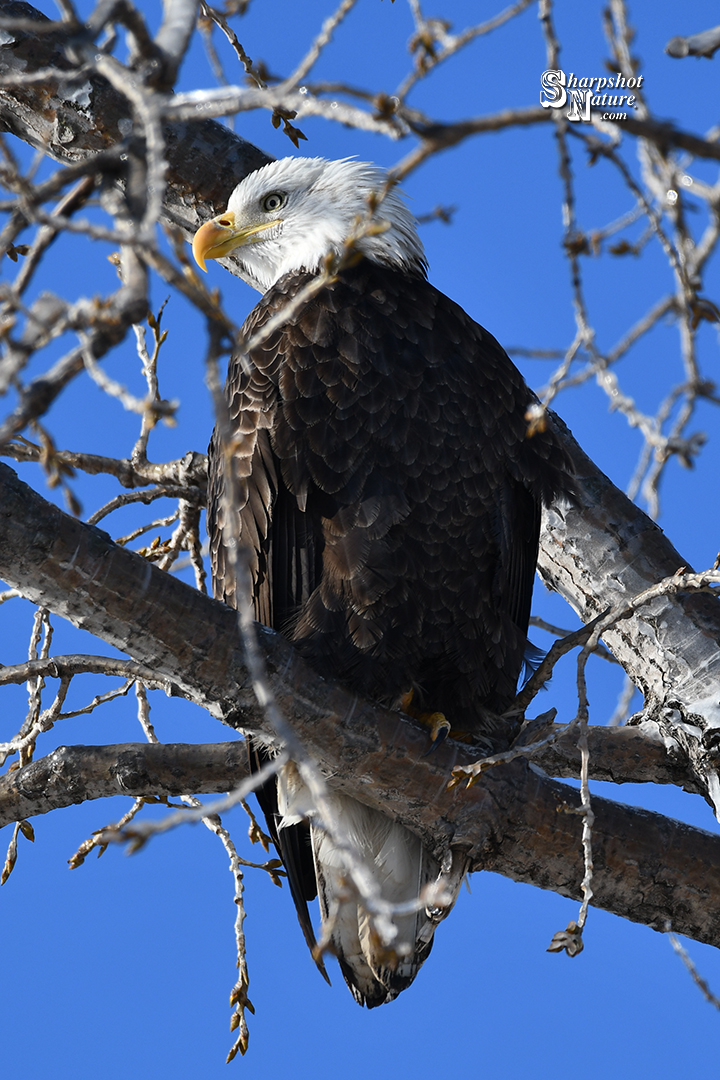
x=289 y=215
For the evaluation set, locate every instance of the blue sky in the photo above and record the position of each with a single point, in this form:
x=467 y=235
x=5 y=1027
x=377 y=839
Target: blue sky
x=123 y=966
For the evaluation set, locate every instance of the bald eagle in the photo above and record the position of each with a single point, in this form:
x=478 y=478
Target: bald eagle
x=390 y=509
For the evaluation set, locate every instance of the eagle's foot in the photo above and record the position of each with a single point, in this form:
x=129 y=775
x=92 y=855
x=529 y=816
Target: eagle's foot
x=439 y=727
x=437 y=722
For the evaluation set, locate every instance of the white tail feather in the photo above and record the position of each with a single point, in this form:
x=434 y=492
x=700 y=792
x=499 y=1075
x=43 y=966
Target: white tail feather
x=376 y=970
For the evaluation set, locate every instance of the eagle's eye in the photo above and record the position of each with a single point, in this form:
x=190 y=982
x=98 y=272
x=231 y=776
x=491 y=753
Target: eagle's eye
x=273 y=201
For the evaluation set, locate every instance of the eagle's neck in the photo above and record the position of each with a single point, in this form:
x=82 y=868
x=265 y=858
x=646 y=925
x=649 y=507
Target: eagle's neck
x=396 y=247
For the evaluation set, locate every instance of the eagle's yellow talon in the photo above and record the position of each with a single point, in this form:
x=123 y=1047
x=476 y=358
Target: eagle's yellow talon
x=439 y=727
x=437 y=722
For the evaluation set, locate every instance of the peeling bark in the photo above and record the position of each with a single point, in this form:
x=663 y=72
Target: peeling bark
x=605 y=551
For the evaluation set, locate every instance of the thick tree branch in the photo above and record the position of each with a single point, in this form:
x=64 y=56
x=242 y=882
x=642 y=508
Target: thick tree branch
x=619 y=755
x=205 y=159
x=75 y=774
x=509 y=821
x=604 y=551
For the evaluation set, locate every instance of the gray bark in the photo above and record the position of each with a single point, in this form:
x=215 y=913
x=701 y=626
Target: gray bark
x=703 y=44
x=75 y=774
x=205 y=159
x=605 y=551
x=647 y=868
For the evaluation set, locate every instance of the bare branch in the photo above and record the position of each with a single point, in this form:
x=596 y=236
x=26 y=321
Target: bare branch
x=703 y=44
x=436 y=136
x=55 y=667
x=73 y=774
x=504 y=822
x=179 y=477
x=435 y=32
x=163 y=491
x=322 y=39
x=694 y=973
x=173 y=37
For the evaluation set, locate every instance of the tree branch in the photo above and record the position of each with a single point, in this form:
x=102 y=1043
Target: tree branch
x=605 y=550
x=703 y=44
x=76 y=774
x=205 y=159
x=509 y=821
x=665 y=136
x=174 y=35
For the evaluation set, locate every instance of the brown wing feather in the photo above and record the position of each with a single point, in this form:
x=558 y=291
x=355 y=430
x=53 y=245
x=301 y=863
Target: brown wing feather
x=391 y=498
x=277 y=546
x=398 y=426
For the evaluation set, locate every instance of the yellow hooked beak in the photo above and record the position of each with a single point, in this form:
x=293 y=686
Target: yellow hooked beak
x=219 y=236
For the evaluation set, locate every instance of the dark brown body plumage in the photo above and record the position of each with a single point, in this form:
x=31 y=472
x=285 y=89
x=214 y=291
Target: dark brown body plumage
x=392 y=496
x=390 y=503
